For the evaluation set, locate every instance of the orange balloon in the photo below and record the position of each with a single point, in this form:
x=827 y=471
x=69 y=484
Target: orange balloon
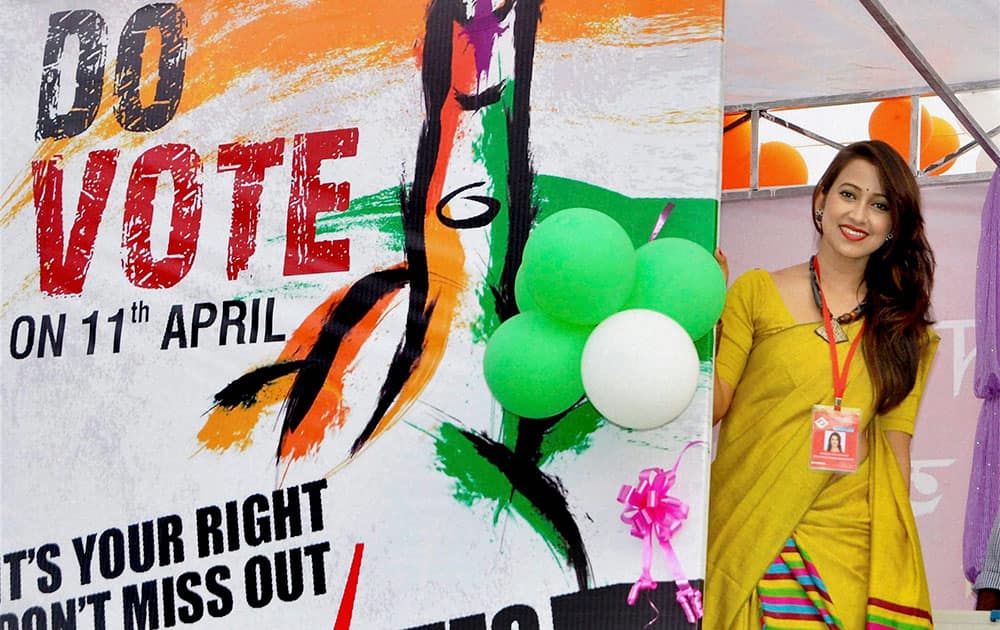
x=890 y=123
x=736 y=153
x=943 y=141
x=781 y=164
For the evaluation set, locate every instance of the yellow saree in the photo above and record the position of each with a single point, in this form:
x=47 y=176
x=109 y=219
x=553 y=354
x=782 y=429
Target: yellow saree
x=857 y=529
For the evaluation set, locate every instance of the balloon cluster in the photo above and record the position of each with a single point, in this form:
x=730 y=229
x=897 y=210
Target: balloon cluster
x=603 y=319
x=890 y=122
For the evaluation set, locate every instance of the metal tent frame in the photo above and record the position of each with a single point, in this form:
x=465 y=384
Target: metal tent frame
x=935 y=85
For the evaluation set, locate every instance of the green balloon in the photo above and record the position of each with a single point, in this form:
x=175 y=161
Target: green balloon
x=522 y=295
x=682 y=280
x=532 y=364
x=579 y=265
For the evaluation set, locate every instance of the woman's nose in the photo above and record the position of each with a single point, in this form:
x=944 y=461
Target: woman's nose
x=857 y=210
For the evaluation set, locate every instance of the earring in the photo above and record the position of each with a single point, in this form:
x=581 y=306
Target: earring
x=888 y=236
x=819 y=214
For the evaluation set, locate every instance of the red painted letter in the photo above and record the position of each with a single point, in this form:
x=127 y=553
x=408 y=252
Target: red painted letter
x=309 y=196
x=59 y=275
x=184 y=165
x=249 y=162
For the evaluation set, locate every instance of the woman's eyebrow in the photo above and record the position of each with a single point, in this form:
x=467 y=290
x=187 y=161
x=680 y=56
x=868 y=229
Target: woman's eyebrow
x=856 y=187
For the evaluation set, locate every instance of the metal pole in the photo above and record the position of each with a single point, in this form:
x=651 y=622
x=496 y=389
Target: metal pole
x=913 y=54
x=800 y=130
x=958 y=153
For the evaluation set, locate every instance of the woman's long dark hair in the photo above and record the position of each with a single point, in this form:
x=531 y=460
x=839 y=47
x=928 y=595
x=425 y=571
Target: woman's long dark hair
x=898 y=277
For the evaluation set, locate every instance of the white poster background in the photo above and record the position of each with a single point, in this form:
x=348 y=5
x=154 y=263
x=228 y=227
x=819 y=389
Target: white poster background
x=108 y=440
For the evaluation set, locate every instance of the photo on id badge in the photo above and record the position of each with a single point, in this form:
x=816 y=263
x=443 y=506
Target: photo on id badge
x=834 y=439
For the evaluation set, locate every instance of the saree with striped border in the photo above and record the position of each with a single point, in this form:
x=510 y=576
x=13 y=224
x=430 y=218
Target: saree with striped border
x=762 y=489
x=793 y=596
x=792 y=593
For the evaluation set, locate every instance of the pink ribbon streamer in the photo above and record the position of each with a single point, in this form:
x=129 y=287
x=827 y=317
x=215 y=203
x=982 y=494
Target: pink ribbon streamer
x=661 y=220
x=651 y=512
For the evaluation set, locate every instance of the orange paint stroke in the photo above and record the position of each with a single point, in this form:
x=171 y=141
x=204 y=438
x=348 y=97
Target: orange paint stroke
x=329 y=411
x=28 y=283
x=229 y=428
x=445 y=256
x=299 y=44
x=569 y=20
x=230 y=40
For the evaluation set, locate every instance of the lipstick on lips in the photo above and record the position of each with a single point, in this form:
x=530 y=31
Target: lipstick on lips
x=852 y=233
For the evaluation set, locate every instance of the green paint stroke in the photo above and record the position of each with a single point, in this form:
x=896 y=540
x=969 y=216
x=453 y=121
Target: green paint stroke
x=571 y=434
x=294 y=288
x=492 y=151
x=477 y=480
x=380 y=211
x=509 y=428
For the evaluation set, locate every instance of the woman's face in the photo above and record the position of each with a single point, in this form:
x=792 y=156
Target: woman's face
x=856 y=216
x=834 y=441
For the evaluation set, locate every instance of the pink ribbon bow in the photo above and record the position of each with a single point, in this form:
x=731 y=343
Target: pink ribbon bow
x=651 y=511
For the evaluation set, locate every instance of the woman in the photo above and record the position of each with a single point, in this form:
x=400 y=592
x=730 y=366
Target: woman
x=789 y=545
x=833 y=443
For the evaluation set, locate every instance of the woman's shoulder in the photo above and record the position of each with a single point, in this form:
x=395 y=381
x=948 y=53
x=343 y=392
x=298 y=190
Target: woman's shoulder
x=756 y=291
x=748 y=285
x=766 y=293
x=756 y=278
x=752 y=277
x=795 y=273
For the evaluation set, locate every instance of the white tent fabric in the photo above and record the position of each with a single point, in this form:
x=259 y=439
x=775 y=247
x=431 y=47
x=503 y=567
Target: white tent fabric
x=814 y=49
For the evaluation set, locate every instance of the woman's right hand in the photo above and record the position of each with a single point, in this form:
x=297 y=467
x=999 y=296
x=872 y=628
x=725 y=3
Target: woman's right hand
x=723 y=264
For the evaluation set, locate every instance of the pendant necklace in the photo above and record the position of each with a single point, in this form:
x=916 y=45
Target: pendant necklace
x=839 y=335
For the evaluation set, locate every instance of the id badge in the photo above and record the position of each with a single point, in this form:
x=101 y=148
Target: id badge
x=835 y=438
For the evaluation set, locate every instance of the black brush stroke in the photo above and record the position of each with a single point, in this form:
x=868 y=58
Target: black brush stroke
x=521 y=465
x=437 y=85
x=243 y=391
x=544 y=492
x=480 y=99
x=342 y=318
x=521 y=175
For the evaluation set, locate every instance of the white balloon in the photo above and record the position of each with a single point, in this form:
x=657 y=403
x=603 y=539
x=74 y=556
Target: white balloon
x=640 y=369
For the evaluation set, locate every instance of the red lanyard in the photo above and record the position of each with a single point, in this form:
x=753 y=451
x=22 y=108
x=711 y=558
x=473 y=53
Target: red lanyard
x=839 y=376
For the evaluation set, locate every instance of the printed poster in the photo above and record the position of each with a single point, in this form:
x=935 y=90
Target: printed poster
x=251 y=256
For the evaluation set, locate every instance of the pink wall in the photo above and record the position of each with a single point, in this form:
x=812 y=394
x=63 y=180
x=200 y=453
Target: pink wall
x=775 y=233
